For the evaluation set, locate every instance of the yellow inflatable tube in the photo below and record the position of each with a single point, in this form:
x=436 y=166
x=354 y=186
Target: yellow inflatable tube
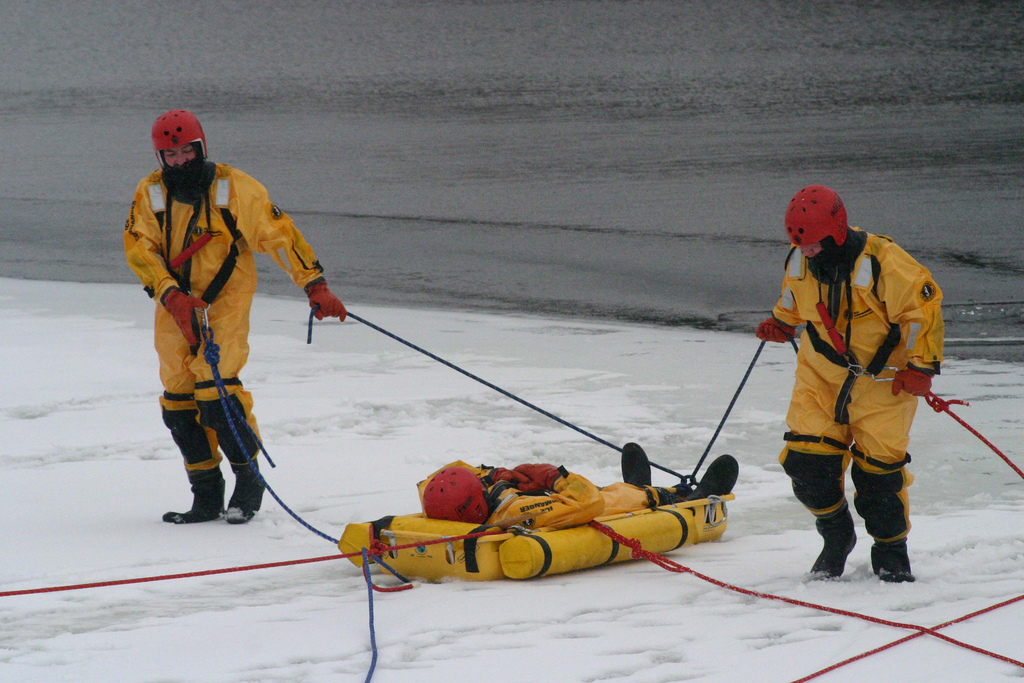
x=526 y=554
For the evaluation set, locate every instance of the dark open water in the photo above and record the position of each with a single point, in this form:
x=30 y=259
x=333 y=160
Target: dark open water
x=623 y=160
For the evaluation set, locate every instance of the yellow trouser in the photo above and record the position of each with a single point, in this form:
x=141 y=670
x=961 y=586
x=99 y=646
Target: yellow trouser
x=191 y=405
x=819 y=450
x=620 y=497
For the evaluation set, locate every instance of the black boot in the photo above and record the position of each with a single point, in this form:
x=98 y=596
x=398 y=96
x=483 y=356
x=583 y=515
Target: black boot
x=891 y=562
x=718 y=480
x=207 y=501
x=636 y=468
x=247 y=496
x=840 y=538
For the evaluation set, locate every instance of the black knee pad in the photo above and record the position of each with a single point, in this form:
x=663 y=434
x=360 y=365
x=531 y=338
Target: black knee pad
x=879 y=503
x=189 y=435
x=817 y=478
x=211 y=414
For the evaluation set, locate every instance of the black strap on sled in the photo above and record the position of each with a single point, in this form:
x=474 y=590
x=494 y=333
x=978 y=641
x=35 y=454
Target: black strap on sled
x=545 y=548
x=469 y=549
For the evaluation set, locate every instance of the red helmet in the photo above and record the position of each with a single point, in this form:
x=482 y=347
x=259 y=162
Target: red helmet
x=175 y=128
x=455 y=494
x=814 y=213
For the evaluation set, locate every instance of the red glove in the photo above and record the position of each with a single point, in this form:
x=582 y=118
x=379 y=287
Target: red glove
x=912 y=381
x=539 y=477
x=511 y=476
x=330 y=305
x=180 y=305
x=774 y=330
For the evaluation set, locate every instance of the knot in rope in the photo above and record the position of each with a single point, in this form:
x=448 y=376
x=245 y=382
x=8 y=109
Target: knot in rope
x=211 y=351
x=377 y=548
x=941 y=405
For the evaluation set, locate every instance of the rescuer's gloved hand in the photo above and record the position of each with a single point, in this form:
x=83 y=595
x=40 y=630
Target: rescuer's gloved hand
x=540 y=477
x=330 y=305
x=912 y=381
x=180 y=305
x=774 y=330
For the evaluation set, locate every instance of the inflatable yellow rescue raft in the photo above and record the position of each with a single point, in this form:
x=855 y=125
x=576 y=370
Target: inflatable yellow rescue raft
x=525 y=554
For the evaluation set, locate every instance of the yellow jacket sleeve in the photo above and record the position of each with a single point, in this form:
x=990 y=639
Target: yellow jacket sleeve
x=889 y=287
x=144 y=243
x=574 y=501
x=269 y=230
x=786 y=309
x=263 y=227
x=912 y=299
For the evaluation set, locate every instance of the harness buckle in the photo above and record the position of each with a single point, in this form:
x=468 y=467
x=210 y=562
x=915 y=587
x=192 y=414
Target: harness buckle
x=885 y=379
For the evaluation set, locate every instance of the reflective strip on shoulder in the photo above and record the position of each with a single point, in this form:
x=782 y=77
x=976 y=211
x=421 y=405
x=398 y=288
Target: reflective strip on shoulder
x=788 y=301
x=863 y=273
x=156 y=198
x=912 y=335
x=795 y=267
x=223 y=191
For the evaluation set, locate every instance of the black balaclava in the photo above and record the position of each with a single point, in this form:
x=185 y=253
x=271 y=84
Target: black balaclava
x=191 y=180
x=834 y=262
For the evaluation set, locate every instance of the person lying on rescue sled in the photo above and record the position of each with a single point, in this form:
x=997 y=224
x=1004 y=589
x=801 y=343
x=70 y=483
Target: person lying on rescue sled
x=872 y=342
x=190 y=236
x=541 y=495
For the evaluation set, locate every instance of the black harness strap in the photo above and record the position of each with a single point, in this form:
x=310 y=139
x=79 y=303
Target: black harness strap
x=228 y=267
x=848 y=360
x=887 y=466
x=183 y=279
x=798 y=438
x=227 y=381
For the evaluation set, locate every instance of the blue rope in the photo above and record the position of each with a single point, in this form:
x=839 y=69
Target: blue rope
x=211 y=352
x=503 y=392
x=385 y=565
x=485 y=383
x=373 y=634
x=728 y=410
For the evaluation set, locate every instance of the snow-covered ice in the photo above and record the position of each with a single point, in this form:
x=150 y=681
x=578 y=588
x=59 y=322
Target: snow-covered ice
x=355 y=420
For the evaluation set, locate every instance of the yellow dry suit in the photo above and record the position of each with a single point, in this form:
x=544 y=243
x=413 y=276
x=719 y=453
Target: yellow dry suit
x=237 y=218
x=887 y=314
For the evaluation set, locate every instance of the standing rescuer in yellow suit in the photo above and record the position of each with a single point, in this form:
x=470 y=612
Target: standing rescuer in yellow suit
x=190 y=236
x=872 y=342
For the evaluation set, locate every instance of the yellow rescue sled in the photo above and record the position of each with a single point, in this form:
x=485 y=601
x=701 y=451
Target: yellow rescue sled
x=526 y=554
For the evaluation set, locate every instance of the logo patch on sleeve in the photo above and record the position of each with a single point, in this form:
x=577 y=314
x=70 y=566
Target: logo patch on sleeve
x=928 y=291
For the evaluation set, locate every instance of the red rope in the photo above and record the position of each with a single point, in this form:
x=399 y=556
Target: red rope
x=940 y=405
x=921 y=633
x=639 y=553
x=167 y=577
x=377 y=548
